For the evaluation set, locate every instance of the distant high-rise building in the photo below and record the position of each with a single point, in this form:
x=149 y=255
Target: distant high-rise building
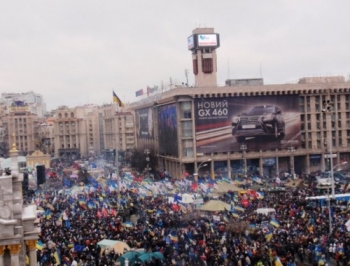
x=34 y=101
x=21 y=123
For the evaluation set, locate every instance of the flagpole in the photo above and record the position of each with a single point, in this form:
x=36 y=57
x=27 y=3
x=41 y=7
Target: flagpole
x=117 y=154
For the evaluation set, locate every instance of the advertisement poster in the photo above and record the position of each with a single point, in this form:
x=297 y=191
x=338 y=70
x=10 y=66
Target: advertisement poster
x=258 y=122
x=144 y=123
x=167 y=126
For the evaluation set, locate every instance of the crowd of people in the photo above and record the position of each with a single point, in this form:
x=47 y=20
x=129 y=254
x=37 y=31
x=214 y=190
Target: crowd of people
x=297 y=232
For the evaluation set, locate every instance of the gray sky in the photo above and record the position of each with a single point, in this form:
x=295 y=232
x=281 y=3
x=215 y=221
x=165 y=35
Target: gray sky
x=77 y=52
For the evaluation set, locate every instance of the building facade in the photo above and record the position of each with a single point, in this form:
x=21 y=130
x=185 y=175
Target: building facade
x=76 y=131
x=118 y=128
x=34 y=101
x=19 y=121
x=18 y=222
x=245 y=127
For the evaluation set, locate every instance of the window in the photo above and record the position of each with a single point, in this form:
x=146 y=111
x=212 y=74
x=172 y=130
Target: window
x=187 y=129
x=186 y=110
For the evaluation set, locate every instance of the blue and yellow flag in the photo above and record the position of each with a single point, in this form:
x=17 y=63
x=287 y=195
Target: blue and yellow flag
x=39 y=245
x=117 y=100
x=274 y=223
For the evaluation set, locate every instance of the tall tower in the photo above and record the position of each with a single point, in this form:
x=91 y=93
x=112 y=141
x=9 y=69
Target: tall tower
x=203 y=43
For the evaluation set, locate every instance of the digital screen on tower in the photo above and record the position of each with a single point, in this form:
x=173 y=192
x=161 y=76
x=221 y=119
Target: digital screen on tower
x=205 y=40
x=190 y=42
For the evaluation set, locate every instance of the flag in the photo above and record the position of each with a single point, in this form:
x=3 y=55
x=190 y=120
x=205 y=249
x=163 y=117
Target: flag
x=78 y=248
x=139 y=93
x=268 y=236
x=153 y=89
x=48 y=214
x=226 y=219
x=117 y=100
x=57 y=256
x=274 y=223
x=39 y=245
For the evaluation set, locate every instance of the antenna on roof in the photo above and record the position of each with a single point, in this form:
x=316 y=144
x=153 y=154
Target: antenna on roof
x=260 y=71
x=228 y=68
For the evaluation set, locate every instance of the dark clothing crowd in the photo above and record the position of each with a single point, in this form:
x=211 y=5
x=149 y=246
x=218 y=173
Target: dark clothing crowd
x=74 y=220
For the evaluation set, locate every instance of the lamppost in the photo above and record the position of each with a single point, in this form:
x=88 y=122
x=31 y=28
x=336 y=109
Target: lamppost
x=147 y=152
x=333 y=195
x=202 y=164
x=327 y=109
x=291 y=149
x=243 y=148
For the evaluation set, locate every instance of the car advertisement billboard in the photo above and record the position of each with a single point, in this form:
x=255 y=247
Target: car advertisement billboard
x=167 y=130
x=205 y=40
x=144 y=123
x=258 y=122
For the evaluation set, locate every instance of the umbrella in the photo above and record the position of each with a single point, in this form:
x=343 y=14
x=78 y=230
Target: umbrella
x=215 y=205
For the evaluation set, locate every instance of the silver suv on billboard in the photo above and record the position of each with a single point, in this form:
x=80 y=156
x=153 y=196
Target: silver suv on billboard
x=262 y=120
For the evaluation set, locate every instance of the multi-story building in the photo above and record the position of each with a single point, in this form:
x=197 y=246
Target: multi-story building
x=118 y=130
x=19 y=122
x=77 y=131
x=45 y=137
x=33 y=100
x=245 y=126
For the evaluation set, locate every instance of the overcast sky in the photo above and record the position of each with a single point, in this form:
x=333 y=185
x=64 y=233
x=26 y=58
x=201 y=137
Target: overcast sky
x=78 y=51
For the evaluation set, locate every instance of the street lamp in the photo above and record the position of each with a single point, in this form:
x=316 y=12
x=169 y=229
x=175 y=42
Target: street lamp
x=291 y=149
x=243 y=148
x=327 y=109
x=333 y=195
x=202 y=164
x=147 y=152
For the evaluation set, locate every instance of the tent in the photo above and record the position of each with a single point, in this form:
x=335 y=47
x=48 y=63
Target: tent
x=7 y=163
x=119 y=246
x=225 y=187
x=131 y=255
x=215 y=205
x=187 y=198
x=146 y=257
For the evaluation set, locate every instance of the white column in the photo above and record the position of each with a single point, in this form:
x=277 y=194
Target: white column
x=32 y=252
x=14 y=250
x=2 y=250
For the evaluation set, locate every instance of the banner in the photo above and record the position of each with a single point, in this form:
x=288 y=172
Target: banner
x=257 y=122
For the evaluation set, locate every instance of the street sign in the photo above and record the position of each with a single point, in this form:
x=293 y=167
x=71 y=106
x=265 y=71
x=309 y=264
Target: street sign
x=328 y=156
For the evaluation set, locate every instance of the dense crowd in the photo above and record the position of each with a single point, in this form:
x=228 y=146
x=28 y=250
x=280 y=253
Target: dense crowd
x=73 y=224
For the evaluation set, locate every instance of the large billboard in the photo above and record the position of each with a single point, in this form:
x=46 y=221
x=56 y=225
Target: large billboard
x=249 y=123
x=167 y=130
x=144 y=123
x=206 y=40
x=190 y=42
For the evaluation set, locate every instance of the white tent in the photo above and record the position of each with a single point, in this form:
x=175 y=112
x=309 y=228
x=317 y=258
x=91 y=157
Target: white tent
x=7 y=163
x=215 y=205
x=187 y=198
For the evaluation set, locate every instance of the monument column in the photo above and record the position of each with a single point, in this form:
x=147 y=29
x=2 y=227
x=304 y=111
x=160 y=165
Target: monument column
x=2 y=251
x=14 y=250
x=32 y=252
